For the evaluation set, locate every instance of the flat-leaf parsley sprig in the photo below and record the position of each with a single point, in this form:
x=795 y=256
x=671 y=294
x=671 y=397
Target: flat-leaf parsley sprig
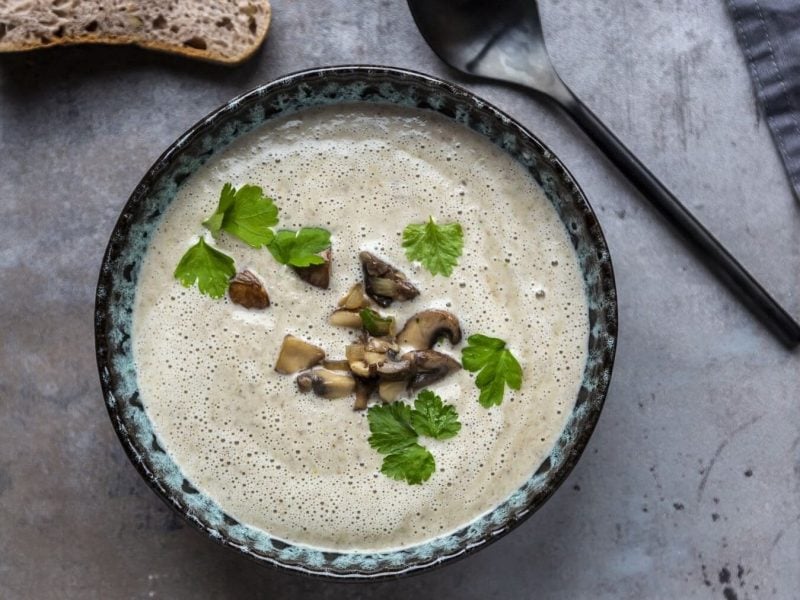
x=498 y=368
x=437 y=247
x=246 y=213
x=396 y=428
x=249 y=215
x=206 y=265
x=300 y=248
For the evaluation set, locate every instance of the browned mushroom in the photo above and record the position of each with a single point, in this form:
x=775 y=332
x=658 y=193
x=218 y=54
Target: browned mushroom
x=364 y=389
x=336 y=365
x=317 y=275
x=383 y=282
x=354 y=352
x=389 y=391
x=430 y=366
x=382 y=344
x=355 y=298
x=426 y=327
x=325 y=383
x=343 y=317
x=296 y=354
x=395 y=370
x=246 y=289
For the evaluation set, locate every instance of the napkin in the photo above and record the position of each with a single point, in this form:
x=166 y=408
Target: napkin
x=769 y=34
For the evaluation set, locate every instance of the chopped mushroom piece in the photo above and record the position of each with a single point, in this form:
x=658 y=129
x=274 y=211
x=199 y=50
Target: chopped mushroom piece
x=364 y=389
x=325 y=383
x=431 y=366
x=354 y=352
x=383 y=282
x=246 y=289
x=345 y=318
x=355 y=298
x=374 y=358
x=395 y=370
x=336 y=365
x=362 y=368
x=380 y=344
x=425 y=328
x=296 y=354
x=389 y=391
x=317 y=275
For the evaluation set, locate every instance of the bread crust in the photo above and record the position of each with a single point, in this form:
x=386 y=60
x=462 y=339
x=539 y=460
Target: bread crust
x=135 y=40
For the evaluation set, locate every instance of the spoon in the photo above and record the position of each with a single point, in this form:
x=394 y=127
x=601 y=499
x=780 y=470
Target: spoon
x=502 y=40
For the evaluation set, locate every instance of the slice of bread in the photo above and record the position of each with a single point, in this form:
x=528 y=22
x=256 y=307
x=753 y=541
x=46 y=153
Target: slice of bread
x=224 y=31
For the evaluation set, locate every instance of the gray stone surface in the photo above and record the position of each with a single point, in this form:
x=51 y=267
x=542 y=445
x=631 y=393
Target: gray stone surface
x=690 y=487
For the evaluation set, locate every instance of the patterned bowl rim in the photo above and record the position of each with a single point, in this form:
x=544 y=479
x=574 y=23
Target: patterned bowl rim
x=422 y=557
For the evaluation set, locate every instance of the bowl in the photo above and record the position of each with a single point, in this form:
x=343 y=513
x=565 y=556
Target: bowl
x=123 y=257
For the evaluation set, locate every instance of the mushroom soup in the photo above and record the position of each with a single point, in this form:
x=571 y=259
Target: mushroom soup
x=285 y=451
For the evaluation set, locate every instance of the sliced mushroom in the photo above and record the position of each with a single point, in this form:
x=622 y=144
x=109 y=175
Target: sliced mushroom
x=296 y=354
x=317 y=275
x=389 y=391
x=325 y=383
x=246 y=289
x=336 y=365
x=374 y=358
x=426 y=327
x=345 y=318
x=364 y=389
x=430 y=366
x=395 y=370
x=383 y=282
x=363 y=369
x=354 y=352
x=355 y=298
x=381 y=344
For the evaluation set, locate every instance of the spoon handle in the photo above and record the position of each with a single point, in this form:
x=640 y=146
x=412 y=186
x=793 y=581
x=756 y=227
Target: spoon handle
x=713 y=254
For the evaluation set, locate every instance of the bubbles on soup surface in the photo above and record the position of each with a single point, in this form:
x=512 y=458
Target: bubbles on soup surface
x=299 y=466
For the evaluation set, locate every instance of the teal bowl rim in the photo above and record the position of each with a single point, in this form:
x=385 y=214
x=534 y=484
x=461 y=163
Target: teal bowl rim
x=128 y=242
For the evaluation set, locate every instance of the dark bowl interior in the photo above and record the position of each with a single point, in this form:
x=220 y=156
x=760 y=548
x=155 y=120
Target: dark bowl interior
x=140 y=216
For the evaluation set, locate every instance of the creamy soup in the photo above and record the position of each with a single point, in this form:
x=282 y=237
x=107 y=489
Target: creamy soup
x=298 y=466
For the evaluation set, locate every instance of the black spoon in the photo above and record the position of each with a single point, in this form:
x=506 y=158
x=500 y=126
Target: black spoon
x=502 y=40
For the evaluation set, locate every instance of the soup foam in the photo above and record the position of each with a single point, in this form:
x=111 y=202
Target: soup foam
x=298 y=466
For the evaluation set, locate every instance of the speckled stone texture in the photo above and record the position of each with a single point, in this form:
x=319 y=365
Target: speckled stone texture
x=690 y=487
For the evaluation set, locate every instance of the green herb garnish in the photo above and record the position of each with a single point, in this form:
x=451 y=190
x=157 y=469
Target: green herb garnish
x=413 y=464
x=390 y=425
x=209 y=267
x=245 y=213
x=375 y=324
x=395 y=430
x=300 y=248
x=437 y=247
x=497 y=367
x=433 y=419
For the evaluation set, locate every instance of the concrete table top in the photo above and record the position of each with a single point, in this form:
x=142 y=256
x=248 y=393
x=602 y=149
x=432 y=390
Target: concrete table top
x=690 y=487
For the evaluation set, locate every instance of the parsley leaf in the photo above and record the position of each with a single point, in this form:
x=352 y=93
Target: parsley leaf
x=437 y=247
x=208 y=266
x=413 y=464
x=300 y=248
x=245 y=213
x=390 y=425
x=497 y=367
x=375 y=323
x=395 y=428
x=433 y=419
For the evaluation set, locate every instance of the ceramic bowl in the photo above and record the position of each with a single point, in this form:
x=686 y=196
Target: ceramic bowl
x=140 y=216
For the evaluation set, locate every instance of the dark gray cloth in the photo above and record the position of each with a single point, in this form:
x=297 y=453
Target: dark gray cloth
x=769 y=34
